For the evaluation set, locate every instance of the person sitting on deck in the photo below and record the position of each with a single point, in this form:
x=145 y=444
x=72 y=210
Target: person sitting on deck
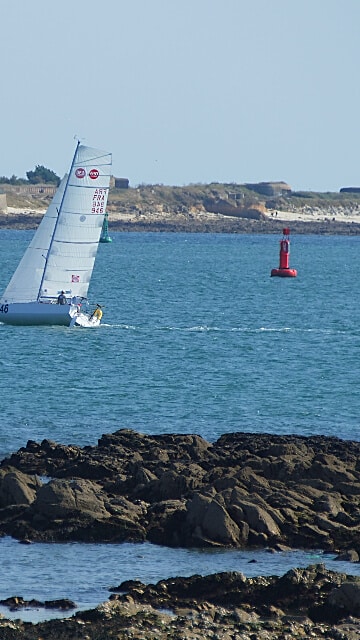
x=62 y=298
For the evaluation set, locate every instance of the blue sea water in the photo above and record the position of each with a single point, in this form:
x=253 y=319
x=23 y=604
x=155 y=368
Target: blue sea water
x=196 y=338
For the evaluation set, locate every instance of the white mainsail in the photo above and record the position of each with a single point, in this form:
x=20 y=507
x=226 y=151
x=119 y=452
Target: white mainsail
x=61 y=255
x=75 y=241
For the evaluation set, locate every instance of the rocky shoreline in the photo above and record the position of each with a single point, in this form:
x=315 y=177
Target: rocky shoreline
x=304 y=603
x=206 y=223
x=223 y=224
x=243 y=490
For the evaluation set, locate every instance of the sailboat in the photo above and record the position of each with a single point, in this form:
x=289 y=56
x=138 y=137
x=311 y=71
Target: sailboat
x=60 y=258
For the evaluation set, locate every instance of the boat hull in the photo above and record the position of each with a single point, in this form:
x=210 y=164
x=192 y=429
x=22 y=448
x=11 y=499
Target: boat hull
x=83 y=320
x=284 y=273
x=38 y=313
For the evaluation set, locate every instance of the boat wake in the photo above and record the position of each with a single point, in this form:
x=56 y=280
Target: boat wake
x=216 y=329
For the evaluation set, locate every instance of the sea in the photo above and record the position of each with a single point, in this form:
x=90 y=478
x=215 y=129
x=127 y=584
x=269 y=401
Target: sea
x=196 y=338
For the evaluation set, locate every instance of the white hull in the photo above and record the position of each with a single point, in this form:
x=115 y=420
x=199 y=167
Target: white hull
x=83 y=320
x=38 y=313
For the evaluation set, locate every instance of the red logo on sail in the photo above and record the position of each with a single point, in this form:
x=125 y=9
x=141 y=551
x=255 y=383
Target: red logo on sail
x=80 y=173
x=75 y=278
x=93 y=173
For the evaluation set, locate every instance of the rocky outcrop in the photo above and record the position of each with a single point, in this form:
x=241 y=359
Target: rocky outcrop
x=315 y=592
x=304 y=603
x=16 y=488
x=16 y=603
x=244 y=490
x=255 y=211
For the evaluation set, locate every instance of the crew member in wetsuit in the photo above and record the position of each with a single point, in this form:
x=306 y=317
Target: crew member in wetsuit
x=62 y=298
x=97 y=313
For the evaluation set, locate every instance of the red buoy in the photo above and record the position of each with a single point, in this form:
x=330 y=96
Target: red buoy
x=284 y=270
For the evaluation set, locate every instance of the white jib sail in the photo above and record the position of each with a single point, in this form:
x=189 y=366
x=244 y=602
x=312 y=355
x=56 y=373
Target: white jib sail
x=25 y=283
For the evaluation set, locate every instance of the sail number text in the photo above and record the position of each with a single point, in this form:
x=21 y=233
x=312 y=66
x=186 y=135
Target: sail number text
x=4 y=308
x=98 y=201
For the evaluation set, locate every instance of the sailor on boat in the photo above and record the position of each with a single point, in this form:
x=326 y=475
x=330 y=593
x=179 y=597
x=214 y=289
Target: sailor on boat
x=97 y=314
x=62 y=298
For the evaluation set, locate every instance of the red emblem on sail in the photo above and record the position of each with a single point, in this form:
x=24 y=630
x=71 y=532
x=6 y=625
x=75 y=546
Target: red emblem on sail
x=93 y=173
x=80 y=173
x=75 y=278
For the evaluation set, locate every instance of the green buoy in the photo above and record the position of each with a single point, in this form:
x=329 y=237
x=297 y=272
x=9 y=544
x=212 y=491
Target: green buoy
x=105 y=231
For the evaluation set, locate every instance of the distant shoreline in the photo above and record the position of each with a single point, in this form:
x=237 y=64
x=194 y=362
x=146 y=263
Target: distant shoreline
x=211 y=208
x=299 y=224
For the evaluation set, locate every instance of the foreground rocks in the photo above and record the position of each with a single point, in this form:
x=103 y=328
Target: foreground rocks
x=304 y=603
x=244 y=490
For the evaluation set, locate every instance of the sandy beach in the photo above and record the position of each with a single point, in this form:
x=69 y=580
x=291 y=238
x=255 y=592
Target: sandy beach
x=336 y=215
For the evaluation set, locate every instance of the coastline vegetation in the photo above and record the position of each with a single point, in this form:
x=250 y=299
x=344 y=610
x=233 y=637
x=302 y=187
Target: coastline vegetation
x=193 y=196
x=172 y=199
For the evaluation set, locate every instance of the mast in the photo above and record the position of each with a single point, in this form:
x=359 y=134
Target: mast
x=57 y=220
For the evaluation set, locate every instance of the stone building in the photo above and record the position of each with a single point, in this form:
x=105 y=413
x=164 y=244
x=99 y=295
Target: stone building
x=270 y=188
x=121 y=183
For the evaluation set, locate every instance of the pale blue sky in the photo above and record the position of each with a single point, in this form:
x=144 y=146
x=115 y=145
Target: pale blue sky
x=185 y=91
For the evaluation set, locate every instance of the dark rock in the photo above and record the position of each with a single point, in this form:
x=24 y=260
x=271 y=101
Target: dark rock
x=16 y=603
x=348 y=556
x=304 y=603
x=16 y=488
x=346 y=599
x=242 y=490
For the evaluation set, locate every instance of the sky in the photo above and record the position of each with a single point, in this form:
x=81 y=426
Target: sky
x=184 y=91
